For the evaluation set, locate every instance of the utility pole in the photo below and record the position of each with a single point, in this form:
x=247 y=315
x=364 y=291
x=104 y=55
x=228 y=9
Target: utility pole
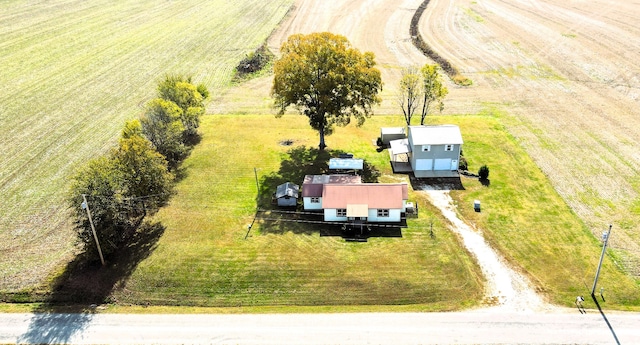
x=85 y=205
x=606 y=236
x=255 y=173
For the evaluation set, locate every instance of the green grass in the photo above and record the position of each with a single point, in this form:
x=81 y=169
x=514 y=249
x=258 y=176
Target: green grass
x=525 y=218
x=72 y=73
x=204 y=259
x=287 y=264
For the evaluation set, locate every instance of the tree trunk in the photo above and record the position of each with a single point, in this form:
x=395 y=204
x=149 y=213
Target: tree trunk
x=323 y=124
x=425 y=110
x=322 y=145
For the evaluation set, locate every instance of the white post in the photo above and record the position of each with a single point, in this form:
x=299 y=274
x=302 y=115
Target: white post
x=604 y=247
x=93 y=229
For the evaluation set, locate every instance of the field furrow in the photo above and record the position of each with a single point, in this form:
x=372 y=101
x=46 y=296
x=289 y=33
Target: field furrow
x=568 y=75
x=73 y=72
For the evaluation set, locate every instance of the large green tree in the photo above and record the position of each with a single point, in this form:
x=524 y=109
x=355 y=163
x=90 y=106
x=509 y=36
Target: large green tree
x=433 y=91
x=144 y=171
x=120 y=188
x=327 y=80
x=99 y=181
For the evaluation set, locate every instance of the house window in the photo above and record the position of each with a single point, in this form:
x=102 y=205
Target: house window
x=426 y=148
x=341 y=212
x=315 y=200
x=448 y=147
x=383 y=213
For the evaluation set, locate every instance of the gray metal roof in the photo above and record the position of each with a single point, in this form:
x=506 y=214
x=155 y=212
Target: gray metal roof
x=435 y=135
x=287 y=189
x=346 y=163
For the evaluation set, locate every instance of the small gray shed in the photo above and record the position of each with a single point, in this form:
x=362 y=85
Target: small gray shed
x=287 y=194
x=388 y=134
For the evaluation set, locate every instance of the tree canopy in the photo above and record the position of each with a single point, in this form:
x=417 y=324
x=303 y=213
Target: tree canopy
x=120 y=188
x=188 y=97
x=433 y=90
x=410 y=92
x=144 y=170
x=162 y=125
x=327 y=80
x=134 y=178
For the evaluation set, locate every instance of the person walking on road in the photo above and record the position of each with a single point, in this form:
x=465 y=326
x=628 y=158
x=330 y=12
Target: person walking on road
x=579 y=301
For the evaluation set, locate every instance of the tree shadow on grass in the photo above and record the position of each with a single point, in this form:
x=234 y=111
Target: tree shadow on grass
x=300 y=161
x=85 y=284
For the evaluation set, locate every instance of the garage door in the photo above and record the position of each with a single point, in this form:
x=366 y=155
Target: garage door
x=442 y=164
x=424 y=164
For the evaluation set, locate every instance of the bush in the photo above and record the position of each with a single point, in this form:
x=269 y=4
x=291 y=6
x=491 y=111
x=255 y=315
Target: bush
x=463 y=165
x=483 y=172
x=461 y=80
x=254 y=61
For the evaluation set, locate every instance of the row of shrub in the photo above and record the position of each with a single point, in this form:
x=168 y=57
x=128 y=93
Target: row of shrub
x=419 y=43
x=463 y=166
x=137 y=177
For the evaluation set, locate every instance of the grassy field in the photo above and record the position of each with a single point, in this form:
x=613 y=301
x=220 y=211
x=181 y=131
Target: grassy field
x=211 y=263
x=283 y=263
x=72 y=73
x=526 y=219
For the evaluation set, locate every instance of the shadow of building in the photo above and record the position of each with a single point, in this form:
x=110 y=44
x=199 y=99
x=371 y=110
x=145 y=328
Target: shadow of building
x=436 y=183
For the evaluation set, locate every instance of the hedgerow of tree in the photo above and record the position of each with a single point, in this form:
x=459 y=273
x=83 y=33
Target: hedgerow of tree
x=135 y=178
x=420 y=43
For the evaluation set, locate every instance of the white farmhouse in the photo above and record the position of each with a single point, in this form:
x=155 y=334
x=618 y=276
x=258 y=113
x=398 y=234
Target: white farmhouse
x=368 y=202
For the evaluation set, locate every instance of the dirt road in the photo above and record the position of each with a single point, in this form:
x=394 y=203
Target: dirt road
x=478 y=327
x=506 y=289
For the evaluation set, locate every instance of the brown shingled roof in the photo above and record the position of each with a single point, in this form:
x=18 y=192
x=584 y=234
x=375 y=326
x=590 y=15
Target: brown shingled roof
x=375 y=195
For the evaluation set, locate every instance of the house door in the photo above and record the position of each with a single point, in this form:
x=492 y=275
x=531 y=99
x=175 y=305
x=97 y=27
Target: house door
x=442 y=164
x=424 y=164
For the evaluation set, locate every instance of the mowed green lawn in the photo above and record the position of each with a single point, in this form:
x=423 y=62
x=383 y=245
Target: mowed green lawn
x=72 y=73
x=529 y=223
x=204 y=258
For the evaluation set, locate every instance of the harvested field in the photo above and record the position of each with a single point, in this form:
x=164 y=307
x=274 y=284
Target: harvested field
x=72 y=73
x=566 y=76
